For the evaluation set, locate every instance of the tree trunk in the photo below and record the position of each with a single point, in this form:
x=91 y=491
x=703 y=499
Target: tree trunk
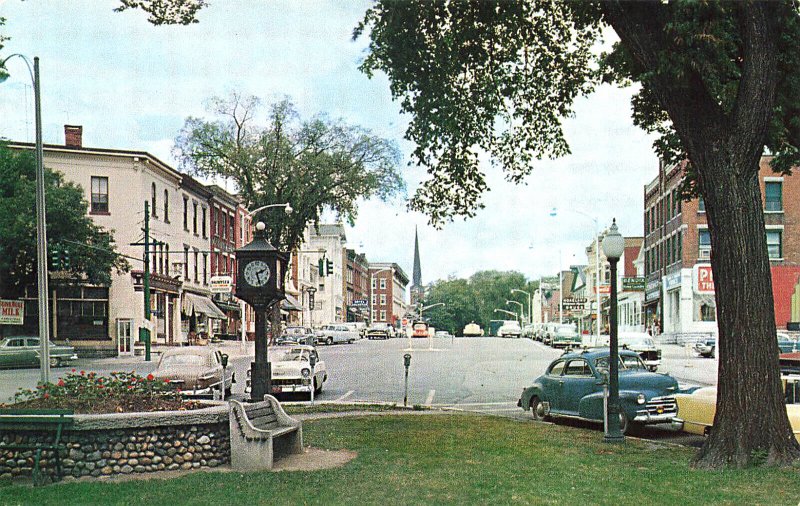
x=751 y=425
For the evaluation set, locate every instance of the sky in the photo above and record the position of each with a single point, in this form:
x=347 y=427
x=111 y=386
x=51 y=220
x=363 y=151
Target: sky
x=131 y=85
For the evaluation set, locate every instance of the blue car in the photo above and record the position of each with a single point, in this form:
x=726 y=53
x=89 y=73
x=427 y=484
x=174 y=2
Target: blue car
x=573 y=387
x=787 y=343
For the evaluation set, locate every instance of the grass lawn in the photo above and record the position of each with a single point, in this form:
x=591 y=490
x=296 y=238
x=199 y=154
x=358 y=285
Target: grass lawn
x=452 y=459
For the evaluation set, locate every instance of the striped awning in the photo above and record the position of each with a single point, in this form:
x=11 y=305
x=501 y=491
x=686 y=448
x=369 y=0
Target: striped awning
x=201 y=304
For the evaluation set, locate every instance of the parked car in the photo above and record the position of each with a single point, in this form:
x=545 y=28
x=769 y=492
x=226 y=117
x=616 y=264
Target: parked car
x=472 y=330
x=380 y=331
x=443 y=333
x=23 y=351
x=565 y=336
x=643 y=344
x=358 y=327
x=573 y=387
x=297 y=335
x=527 y=330
x=697 y=409
x=706 y=347
x=291 y=370
x=338 y=333
x=787 y=343
x=509 y=328
x=196 y=370
x=548 y=332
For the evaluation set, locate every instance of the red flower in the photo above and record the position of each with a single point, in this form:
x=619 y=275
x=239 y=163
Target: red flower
x=83 y=373
x=150 y=377
x=46 y=395
x=60 y=382
x=166 y=380
x=73 y=370
x=130 y=387
x=100 y=381
x=100 y=386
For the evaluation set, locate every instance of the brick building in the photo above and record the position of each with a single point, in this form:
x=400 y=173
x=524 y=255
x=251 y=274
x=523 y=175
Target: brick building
x=388 y=300
x=357 y=287
x=679 y=296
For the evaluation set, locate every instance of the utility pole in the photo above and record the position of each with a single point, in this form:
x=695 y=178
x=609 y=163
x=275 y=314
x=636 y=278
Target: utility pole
x=146 y=281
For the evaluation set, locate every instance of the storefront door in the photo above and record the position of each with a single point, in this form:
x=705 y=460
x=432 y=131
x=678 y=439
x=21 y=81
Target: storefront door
x=124 y=337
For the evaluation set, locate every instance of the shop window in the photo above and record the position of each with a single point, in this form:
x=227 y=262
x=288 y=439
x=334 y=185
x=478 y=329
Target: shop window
x=153 y=201
x=773 y=196
x=166 y=206
x=99 y=194
x=775 y=244
x=705 y=308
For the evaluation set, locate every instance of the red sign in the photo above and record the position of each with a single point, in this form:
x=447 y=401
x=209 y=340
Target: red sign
x=604 y=289
x=405 y=322
x=703 y=279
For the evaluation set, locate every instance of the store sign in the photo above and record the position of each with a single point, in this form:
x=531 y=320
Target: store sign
x=703 y=278
x=603 y=289
x=652 y=290
x=672 y=281
x=359 y=303
x=12 y=312
x=221 y=284
x=635 y=284
x=571 y=303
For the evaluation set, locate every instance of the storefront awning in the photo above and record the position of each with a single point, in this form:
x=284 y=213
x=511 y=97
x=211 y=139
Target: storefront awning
x=291 y=304
x=201 y=304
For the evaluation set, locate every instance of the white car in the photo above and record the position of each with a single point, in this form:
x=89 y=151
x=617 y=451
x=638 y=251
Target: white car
x=509 y=328
x=291 y=370
x=336 y=333
x=643 y=344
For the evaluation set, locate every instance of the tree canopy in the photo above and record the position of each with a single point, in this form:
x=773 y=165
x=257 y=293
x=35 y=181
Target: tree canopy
x=91 y=249
x=475 y=299
x=315 y=165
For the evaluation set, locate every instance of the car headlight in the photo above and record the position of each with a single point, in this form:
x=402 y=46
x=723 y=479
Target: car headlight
x=306 y=372
x=641 y=399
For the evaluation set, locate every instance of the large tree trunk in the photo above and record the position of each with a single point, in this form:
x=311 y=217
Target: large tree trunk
x=725 y=146
x=751 y=424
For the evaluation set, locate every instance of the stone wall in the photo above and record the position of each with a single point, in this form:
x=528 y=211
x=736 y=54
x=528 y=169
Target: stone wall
x=127 y=443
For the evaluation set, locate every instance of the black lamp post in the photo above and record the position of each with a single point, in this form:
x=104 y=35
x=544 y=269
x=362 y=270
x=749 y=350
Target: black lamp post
x=259 y=281
x=613 y=248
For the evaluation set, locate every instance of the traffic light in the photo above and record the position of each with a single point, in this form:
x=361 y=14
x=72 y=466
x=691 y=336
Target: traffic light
x=55 y=258
x=321 y=266
x=64 y=259
x=329 y=267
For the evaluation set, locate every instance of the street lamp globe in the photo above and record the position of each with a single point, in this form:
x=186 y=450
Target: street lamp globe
x=613 y=243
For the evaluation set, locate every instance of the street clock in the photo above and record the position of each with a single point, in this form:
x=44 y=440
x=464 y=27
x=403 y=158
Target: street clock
x=260 y=273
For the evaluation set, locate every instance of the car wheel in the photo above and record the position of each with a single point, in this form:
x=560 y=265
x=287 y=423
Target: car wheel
x=537 y=410
x=55 y=362
x=329 y=341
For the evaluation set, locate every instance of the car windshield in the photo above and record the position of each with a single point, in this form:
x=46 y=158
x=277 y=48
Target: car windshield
x=293 y=331
x=566 y=329
x=293 y=355
x=183 y=360
x=626 y=363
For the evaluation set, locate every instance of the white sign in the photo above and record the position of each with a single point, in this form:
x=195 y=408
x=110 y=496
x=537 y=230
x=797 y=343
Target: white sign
x=221 y=284
x=12 y=312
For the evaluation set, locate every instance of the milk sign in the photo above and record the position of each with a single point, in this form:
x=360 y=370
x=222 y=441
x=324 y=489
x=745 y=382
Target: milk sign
x=703 y=279
x=12 y=312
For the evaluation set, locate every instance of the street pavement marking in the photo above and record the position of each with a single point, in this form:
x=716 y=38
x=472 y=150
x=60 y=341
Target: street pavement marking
x=345 y=396
x=429 y=400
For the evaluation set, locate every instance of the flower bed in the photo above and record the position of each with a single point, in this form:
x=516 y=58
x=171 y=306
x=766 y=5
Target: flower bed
x=121 y=392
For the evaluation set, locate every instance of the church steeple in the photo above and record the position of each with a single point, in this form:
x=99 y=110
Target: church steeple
x=416 y=285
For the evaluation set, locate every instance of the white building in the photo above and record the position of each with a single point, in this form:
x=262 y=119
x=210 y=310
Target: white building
x=106 y=321
x=326 y=243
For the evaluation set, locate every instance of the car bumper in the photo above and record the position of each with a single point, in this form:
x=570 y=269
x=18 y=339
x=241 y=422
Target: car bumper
x=284 y=389
x=677 y=423
x=703 y=349
x=650 y=418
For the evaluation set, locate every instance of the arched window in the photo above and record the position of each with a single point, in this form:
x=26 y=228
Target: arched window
x=166 y=206
x=153 y=212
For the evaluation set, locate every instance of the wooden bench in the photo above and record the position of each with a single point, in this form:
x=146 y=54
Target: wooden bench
x=39 y=420
x=259 y=431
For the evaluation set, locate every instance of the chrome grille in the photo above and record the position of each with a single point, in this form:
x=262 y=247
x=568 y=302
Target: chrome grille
x=286 y=382
x=666 y=405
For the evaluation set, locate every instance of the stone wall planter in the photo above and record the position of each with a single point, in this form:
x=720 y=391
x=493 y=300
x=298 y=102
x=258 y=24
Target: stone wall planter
x=125 y=443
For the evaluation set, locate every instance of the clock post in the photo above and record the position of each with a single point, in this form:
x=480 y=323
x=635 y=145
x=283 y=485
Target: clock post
x=259 y=281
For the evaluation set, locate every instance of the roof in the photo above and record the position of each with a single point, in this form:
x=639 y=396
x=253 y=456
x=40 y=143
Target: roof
x=223 y=195
x=593 y=353
x=334 y=229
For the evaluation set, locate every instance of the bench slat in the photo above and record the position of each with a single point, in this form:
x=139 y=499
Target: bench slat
x=258 y=412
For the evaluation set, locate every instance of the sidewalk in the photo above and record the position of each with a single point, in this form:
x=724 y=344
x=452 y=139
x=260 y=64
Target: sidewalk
x=234 y=349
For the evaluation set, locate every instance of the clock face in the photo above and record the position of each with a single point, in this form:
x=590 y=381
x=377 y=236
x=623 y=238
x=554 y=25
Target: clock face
x=256 y=273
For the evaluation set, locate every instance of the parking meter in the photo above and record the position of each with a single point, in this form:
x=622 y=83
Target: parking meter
x=224 y=361
x=407 y=362
x=312 y=360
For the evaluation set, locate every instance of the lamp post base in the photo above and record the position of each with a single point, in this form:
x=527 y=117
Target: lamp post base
x=609 y=438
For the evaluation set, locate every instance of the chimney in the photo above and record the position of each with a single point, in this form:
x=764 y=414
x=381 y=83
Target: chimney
x=73 y=136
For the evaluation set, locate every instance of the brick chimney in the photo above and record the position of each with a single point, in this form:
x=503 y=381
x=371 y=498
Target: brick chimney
x=73 y=136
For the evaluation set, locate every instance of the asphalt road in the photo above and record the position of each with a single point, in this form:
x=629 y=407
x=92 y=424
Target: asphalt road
x=483 y=375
